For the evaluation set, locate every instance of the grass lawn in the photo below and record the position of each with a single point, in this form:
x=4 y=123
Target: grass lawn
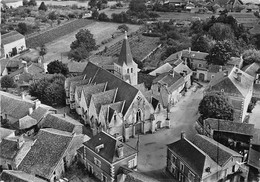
x=181 y=16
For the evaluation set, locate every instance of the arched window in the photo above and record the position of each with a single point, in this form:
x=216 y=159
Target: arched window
x=132 y=70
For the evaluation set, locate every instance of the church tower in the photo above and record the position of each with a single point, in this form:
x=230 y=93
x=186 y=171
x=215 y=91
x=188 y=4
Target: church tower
x=125 y=67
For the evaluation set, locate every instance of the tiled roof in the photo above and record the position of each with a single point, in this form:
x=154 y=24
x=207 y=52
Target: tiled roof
x=73 y=84
x=3 y=64
x=162 y=69
x=14 y=106
x=173 y=81
x=70 y=79
x=40 y=112
x=76 y=67
x=100 y=75
x=125 y=56
x=8 y=149
x=255 y=30
x=109 y=151
x=172 y=57
x=117 y=106
x=45 y=154
x=11 y=37
x=252 y=69
x=33 y=68
x=19 y=176
x=59 y=122
x=92 y=89
x=256 y=137
x=4 y=132
x=25 y=122
x=235 y=61
x=102 y=60
x=230 y=84
x=230 y=126
x=103 y=98
x=180 y=68
x=210 y=147
x=135 y=176
x=146 y=79
x=254 y=157
x=189 y=153
x=194 y=54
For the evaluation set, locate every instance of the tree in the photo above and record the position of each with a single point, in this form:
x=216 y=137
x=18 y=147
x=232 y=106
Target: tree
x=95 y=14
x=221 y=31
x=200 y=43
x=57 y=67
x=137 y=6
x=43 y=50
x=22 y=28
x=197 y=27
x=52 y=15
x=7 y=82
x=32 y=3
x=250 y=56
x=216 y=105
x=25 y=2
x=42 y=7
x=82 y=46
x=49 y=90
x=123 y=28
x=220 y=53
x=103 y=17
x=92 y=3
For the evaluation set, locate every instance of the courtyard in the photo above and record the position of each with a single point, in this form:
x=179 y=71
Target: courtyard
x=152 y=147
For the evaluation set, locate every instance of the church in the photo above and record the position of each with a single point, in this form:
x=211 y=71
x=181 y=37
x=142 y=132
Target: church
x=111 y=102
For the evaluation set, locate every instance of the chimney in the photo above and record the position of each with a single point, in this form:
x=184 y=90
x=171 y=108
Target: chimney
x=30 y=111
x=183 y=135
x=40 y=60
x=20 y=142
x=226 y=73
x=125 y=34
x=37 y=103
x=220 y=68
x=239 y=77
x=25 y=68
x=120 y=150
x=99 y=147
x=64 y=115
x=23 y=96
x=189 y=50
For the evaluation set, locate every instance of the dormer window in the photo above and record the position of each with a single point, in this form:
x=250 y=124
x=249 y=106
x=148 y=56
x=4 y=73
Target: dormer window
x=99 y=147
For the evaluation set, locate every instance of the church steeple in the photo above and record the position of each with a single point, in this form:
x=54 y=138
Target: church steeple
x=125 y=56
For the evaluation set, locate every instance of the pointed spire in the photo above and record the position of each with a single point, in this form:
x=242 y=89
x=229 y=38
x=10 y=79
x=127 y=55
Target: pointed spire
x=125 y=56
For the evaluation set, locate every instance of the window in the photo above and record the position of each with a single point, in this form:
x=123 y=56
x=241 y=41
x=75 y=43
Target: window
x=191 y=176
x=159 y=89
x=103 y=178
x=173 y=158
x=222 y=90
x=132 y=70
x=114 y=117
x=181 y=166
x=212 y=76
x=233 y=168
x=180 y=177
x=139 y=98
x=199 y=65
x=131 y=163
x=127 y=70
x=173 y=170
x=97 y=162
x=9 y=166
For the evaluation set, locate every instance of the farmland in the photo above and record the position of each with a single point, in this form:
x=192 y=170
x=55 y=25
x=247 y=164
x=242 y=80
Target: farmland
x=181 y=16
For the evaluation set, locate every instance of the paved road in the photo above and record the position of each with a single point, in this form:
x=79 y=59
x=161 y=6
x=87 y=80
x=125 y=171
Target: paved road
x=152 y=154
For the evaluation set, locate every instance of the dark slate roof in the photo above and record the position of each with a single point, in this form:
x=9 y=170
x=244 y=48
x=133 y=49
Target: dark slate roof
x=103 y=98
x=155 y=102
x=210 y=147
x=125 y=56
x=92 y=89
x=8 y=149
x=100 y=75
x=40 y=112
x=194 y=54
x=25 y=123
x=233 y=1
x=166 y=67
x=76 y=67
x=70 y=79
x=172 y=81
x=19 y=176
x=145 y=79
x=14 y=106
x=230 y=84
x=75 y=83
x=110 y=145
x=189 y=153
x=252 y=69
x=117 y=106
x=254 y=157
x=230 y=126
x=59 y=122
x=45 y=154
x=11 y=37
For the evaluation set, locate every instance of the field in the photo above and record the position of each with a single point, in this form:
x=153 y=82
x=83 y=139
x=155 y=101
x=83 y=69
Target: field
x=140 y=46
x=181 y=16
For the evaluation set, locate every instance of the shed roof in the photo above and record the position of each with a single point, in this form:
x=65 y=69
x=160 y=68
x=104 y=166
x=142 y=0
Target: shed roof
x=11 y=37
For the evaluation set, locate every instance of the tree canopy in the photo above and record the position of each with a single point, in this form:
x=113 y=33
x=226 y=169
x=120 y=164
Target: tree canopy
x=123 y=28
x=32 y=3
x=22 y=28
x=7 y=82
x=49 y=90
x=137 y=6
x=43 y=50
x=200 y=43
x=250 y=56
x=81 y=47
x=221 y=31
x=216 y=105
x=57 y=67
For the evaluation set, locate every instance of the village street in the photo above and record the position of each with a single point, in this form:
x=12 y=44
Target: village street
x=152 y=147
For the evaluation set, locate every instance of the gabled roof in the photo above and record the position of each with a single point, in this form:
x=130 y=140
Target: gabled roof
x=11 y=37
x=103 y=98
x=210 y=147
x=75 y=83
x=70 y=79
x=109 y=152
x=40 y=112
x=117 y=106
x=3 y=65
x=230 y=126
x=232 y=2
x=25 y=123
x=59 y=122
x=19 y=176
x=162 y=69
x=172 y=81
x=100 y=75
x=230 y=84
x=76 y=67
x=251 y=69
x=125 y=56
x=4 y=132
x=189 y=153
x=181 y=68
x=92 y=89
x=194 y=54
x=46 y=152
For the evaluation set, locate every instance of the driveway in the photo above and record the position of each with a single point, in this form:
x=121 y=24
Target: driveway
x=152 y=148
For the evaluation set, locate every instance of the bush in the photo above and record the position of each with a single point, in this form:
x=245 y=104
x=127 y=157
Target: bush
x=103 y=17
x=151 y=34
